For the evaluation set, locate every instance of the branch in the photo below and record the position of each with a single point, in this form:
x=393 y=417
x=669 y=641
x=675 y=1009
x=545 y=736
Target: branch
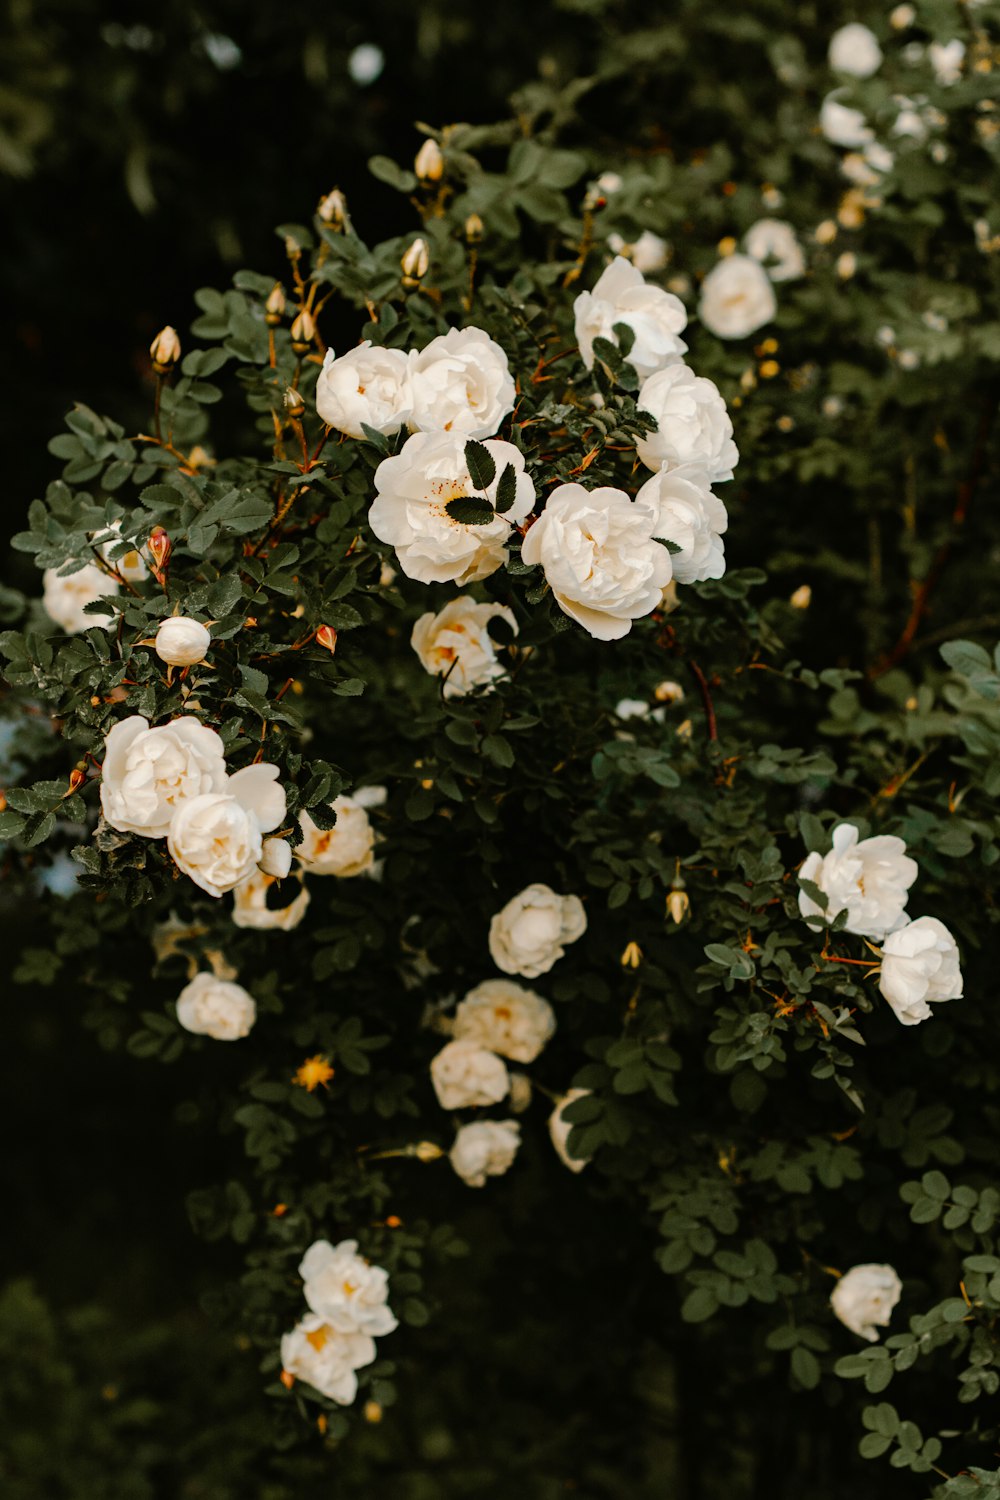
x=706 y=698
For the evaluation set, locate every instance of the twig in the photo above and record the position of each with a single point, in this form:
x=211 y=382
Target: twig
x=706 y=698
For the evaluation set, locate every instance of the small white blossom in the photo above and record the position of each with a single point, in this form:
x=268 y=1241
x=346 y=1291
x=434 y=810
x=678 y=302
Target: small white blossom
x=842 y=125
x=854 y=50
x=214 y=1007
x=622 y=295
x=484 y=1149
x=65 y=598
x=693 y=425
x=775 y=244
x=367 y=387
x=345 y=1290
x=649 y=253
x=737 y=298
x=251 y=909
x=864 y=1298
x=868 y=878
x=506 y=1018
x=456 y=644
x=919 y=966
x=946 y=58
x=690 y=516
x=466 y=1076
x=560 y=1127
x=326 y=1358
x=528 y=935
x=182 y=642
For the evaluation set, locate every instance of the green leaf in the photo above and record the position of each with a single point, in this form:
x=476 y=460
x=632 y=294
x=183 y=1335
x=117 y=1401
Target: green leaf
x=470 y=511
x=506 y=490
x=480 y=464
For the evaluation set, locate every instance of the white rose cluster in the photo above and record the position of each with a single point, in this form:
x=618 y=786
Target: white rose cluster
x=172 y=782
x=348 y=1306
x=870 y=880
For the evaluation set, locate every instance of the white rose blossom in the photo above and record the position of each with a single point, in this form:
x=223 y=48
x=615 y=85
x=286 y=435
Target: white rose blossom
x=345 y=1290
x=692 y=424
x=598 y=553
x=775 y=244
x=737 y=298
x=560 y=1127
x=868 y=878
x=130 y=564
x=657 y=318
x=217 y=838
x=486 y=1148
x=864 y=1298
x=946 y=58
x=529 y=934
x=638 y=708
x=348 y=848
x=854 y=50
x=456 y=644
x=461 y=383
x=466 y=1076
x=506 y=1018
x=326 y=1358
x=920 y=965
x=148 y=773
x=649 y=253
x=251 y=909
x=367 y=387
x=182 y=642
x=692 y=517
x=410 y=512
x=65 y=598
x=214 y=1007
x=842 y=125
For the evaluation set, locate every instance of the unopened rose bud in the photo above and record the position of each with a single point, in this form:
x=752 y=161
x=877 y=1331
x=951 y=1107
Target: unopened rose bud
x=293 y=403
x=276 y=858
x=327 y=636
x=802 y=598
x=847 y=265
x=159 y=547
x=287 y=1379
x=426 y=1151
x=429 y=165
x=181 y=642
x=274 y=307
x=678 y=905
x=825 y=233
x=333 y=210
x=632 y=956
x=668 y=692
x=76 y=780
x=684 y=731
x=165 y=350
x=726 y=246
x=303 y=332
x=474 y=229
x=414 y=263
x=519 y=1097
x=372 y=1411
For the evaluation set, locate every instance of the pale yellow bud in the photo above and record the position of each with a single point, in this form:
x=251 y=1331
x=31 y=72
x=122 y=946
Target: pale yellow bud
x=678 y=905
x=825 y=233
x=333 y=210
x=303 y=331
x=165 y=349
x=429 y=164
x=372 y=1411
x=294 y=404
x=414 y=263
x=632 y=956
x=274 y=307
x=474 y=229
x=727 y=246
x=520 y=1092
x=851 y=212
x=426 y=1151
x=802 y=598
x=847 y=265
x=668 y=692
x=684 y=731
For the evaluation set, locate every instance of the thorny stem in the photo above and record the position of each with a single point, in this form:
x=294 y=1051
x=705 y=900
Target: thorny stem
x=706 y=698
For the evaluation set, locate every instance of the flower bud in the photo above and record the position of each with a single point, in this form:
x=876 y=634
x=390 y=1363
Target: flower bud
x=426 y=1151
x=429 y=165
x=274 y=307
x=474 y=229
x=632 y=956
x=678 y=905
x=520 y=1092
x=181 y=641
x=668 y=692
x=159 y=547
x=303 y=332
x=327 y=636
x=333 y=210
x=414 y=263
x=372 y=1411
x=802 y=598
x=165 y=350
x=294 y=404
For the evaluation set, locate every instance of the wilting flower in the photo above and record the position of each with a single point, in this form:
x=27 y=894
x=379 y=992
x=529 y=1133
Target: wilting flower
x=414 y=489
x=864 y=1298
x=148 y=773
x=529 y=934
x=692 y=424
x=690 y=516
x=456 y=644
x=65 y=598
x=461 y=383
x=485 y=1149
x=919 y=965
x=506 y=1018
x=656 y=318
x=868 y=878
x=367 y=387
x=599 y=556
x=182 y=642
x=216 y=1007
x=326 y=1358
x=560 y=1127
x=854 y=50
x=736 y=298
x=345 y=1290
x=466 y=1076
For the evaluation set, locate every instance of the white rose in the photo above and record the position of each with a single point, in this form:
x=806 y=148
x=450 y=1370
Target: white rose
x=559 y=1129
x=326 y=1358
x=946 y=59
x=346 y=1291
x=461 y=383
x=842 y=125
x=649 y=253
x=65 y=598
x=737 y=298
x=348 y=848
x=215 y=1007
x=909 y=122
x=409 y=510
x=775 y=245
x=367 y=387
x=869 y=879
x=637 y=708
x=217 y=839
x=506 y=1018
x=131 y=564
x=864 y=1298
x=527 y=936
x=251 y=909
x=854 y=49
x=599 y=556
x=919 y=965
x=692 y=424
x=466 y=1076
x=485 y=1149
x=182 y=642
x=148 y=773
x=456 y=644
x=692 y=517
x=621 y=295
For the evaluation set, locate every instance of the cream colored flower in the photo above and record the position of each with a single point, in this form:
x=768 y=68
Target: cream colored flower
x=559 y=1129
x=182 y=642
x=691 y=517
x=251 y=909
x=693 y=425
x=869 y=878
x=148 y=773
x=65 y=598
x=217 y=839
x=946 y=59
x=529 y=934
x=484 y=1149
x=919 y=967
x=842 y=124
x=461 y=383
x=649 y=253
x=622 y=295
x=466 y=1076
x=214 y=1007
x=506 y=1018
x=775 y=244
x=344 y=1289
x=348 y=848
x=864 y=1298
x=367 y=387
x=854 y=50
x=326 y=1358
x=737 y=298
x=456 y=644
